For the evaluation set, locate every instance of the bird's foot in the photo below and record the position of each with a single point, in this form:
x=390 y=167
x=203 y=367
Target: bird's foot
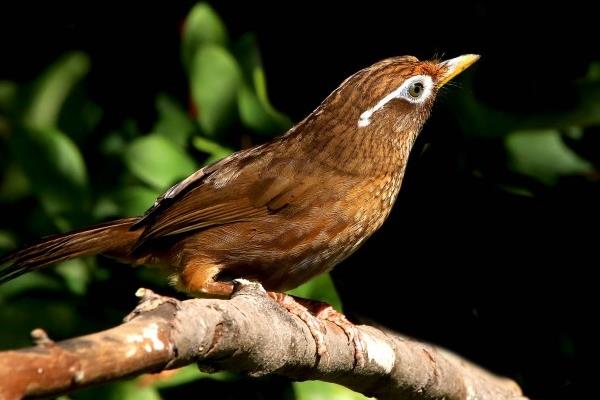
x=293 y=306
x=313 y=313
x=326 y=312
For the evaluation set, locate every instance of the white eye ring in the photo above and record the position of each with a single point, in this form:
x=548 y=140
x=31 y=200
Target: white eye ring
x=406 y=90
x=402 y=92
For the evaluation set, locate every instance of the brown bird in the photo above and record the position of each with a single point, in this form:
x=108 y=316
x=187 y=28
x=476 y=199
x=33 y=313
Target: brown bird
x=282 y=212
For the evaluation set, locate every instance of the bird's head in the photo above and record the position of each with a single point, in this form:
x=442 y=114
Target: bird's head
x=400 y=91
x=391 y=98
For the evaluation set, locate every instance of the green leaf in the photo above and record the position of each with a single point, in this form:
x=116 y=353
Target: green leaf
x=127 y=390
x=105 y=207
x=173 y=122
x=113 y=144
x=55 y=169
x=255 y=108
x=130 y=129
x=14 y=184
x=79 y=116
x=135 y=200
x=53 y=88
x=191 y=373
x=593 y=73
x=202 y=26
x=255 y=115
x=247 y=53
x=54 y=313
x=8 y=93
x=214 y=149
x=76 y=274
x=215 y=79
x=116 y=142
x=7 y=240
x=157 y=161
x=319 y=288
x=317 y=390
x=544 y=156
x=28 y=282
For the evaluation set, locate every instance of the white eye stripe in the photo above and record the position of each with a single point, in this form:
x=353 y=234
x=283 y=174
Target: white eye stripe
x=400 y=92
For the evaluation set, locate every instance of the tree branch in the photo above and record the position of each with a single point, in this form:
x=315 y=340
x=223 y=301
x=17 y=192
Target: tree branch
x=250 y=334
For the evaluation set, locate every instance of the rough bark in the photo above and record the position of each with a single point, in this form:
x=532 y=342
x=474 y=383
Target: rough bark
x=250 y=334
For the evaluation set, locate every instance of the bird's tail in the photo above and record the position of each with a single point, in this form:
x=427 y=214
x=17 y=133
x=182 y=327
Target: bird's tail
x=113 y=237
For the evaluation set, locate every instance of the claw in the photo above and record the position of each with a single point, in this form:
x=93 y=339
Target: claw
x=313 y=323
x=313 y=313
x=354 y=336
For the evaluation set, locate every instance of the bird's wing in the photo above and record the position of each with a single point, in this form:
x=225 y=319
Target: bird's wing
x=244 y=187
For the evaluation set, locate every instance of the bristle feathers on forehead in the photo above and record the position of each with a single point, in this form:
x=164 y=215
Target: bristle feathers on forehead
x=400 y=68
x=430 y=68
x=396 y=61
x=397 y=65
x=395 y=69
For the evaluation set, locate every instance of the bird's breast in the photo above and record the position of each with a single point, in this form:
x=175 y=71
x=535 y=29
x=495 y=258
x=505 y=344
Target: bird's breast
x=345 y=226
x=294 y=244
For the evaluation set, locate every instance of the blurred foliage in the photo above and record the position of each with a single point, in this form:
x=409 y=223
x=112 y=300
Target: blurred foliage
x=539 y=153
x=51 y=133
x=50 y=139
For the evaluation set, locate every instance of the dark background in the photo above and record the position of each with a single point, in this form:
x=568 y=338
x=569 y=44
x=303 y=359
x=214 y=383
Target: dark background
x=505 y=280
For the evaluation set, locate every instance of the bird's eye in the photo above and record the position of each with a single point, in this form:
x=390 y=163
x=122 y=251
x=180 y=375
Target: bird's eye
x=415 y=90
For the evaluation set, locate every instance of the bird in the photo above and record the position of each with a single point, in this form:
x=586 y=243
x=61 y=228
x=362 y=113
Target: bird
x=282 y=212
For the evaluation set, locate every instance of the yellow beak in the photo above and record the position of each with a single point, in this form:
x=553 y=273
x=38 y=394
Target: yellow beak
x=455 y=66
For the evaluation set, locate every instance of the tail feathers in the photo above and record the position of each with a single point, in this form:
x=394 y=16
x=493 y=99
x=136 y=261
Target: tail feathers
x=113 y=236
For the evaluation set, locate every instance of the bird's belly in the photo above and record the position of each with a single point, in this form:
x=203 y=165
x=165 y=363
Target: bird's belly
x=286 y=257
x=284 y=251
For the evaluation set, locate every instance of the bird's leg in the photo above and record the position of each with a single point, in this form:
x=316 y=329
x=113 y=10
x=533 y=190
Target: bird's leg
x=311 y=312
x=296 y=308
x=199 y=279
x=326 y=312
